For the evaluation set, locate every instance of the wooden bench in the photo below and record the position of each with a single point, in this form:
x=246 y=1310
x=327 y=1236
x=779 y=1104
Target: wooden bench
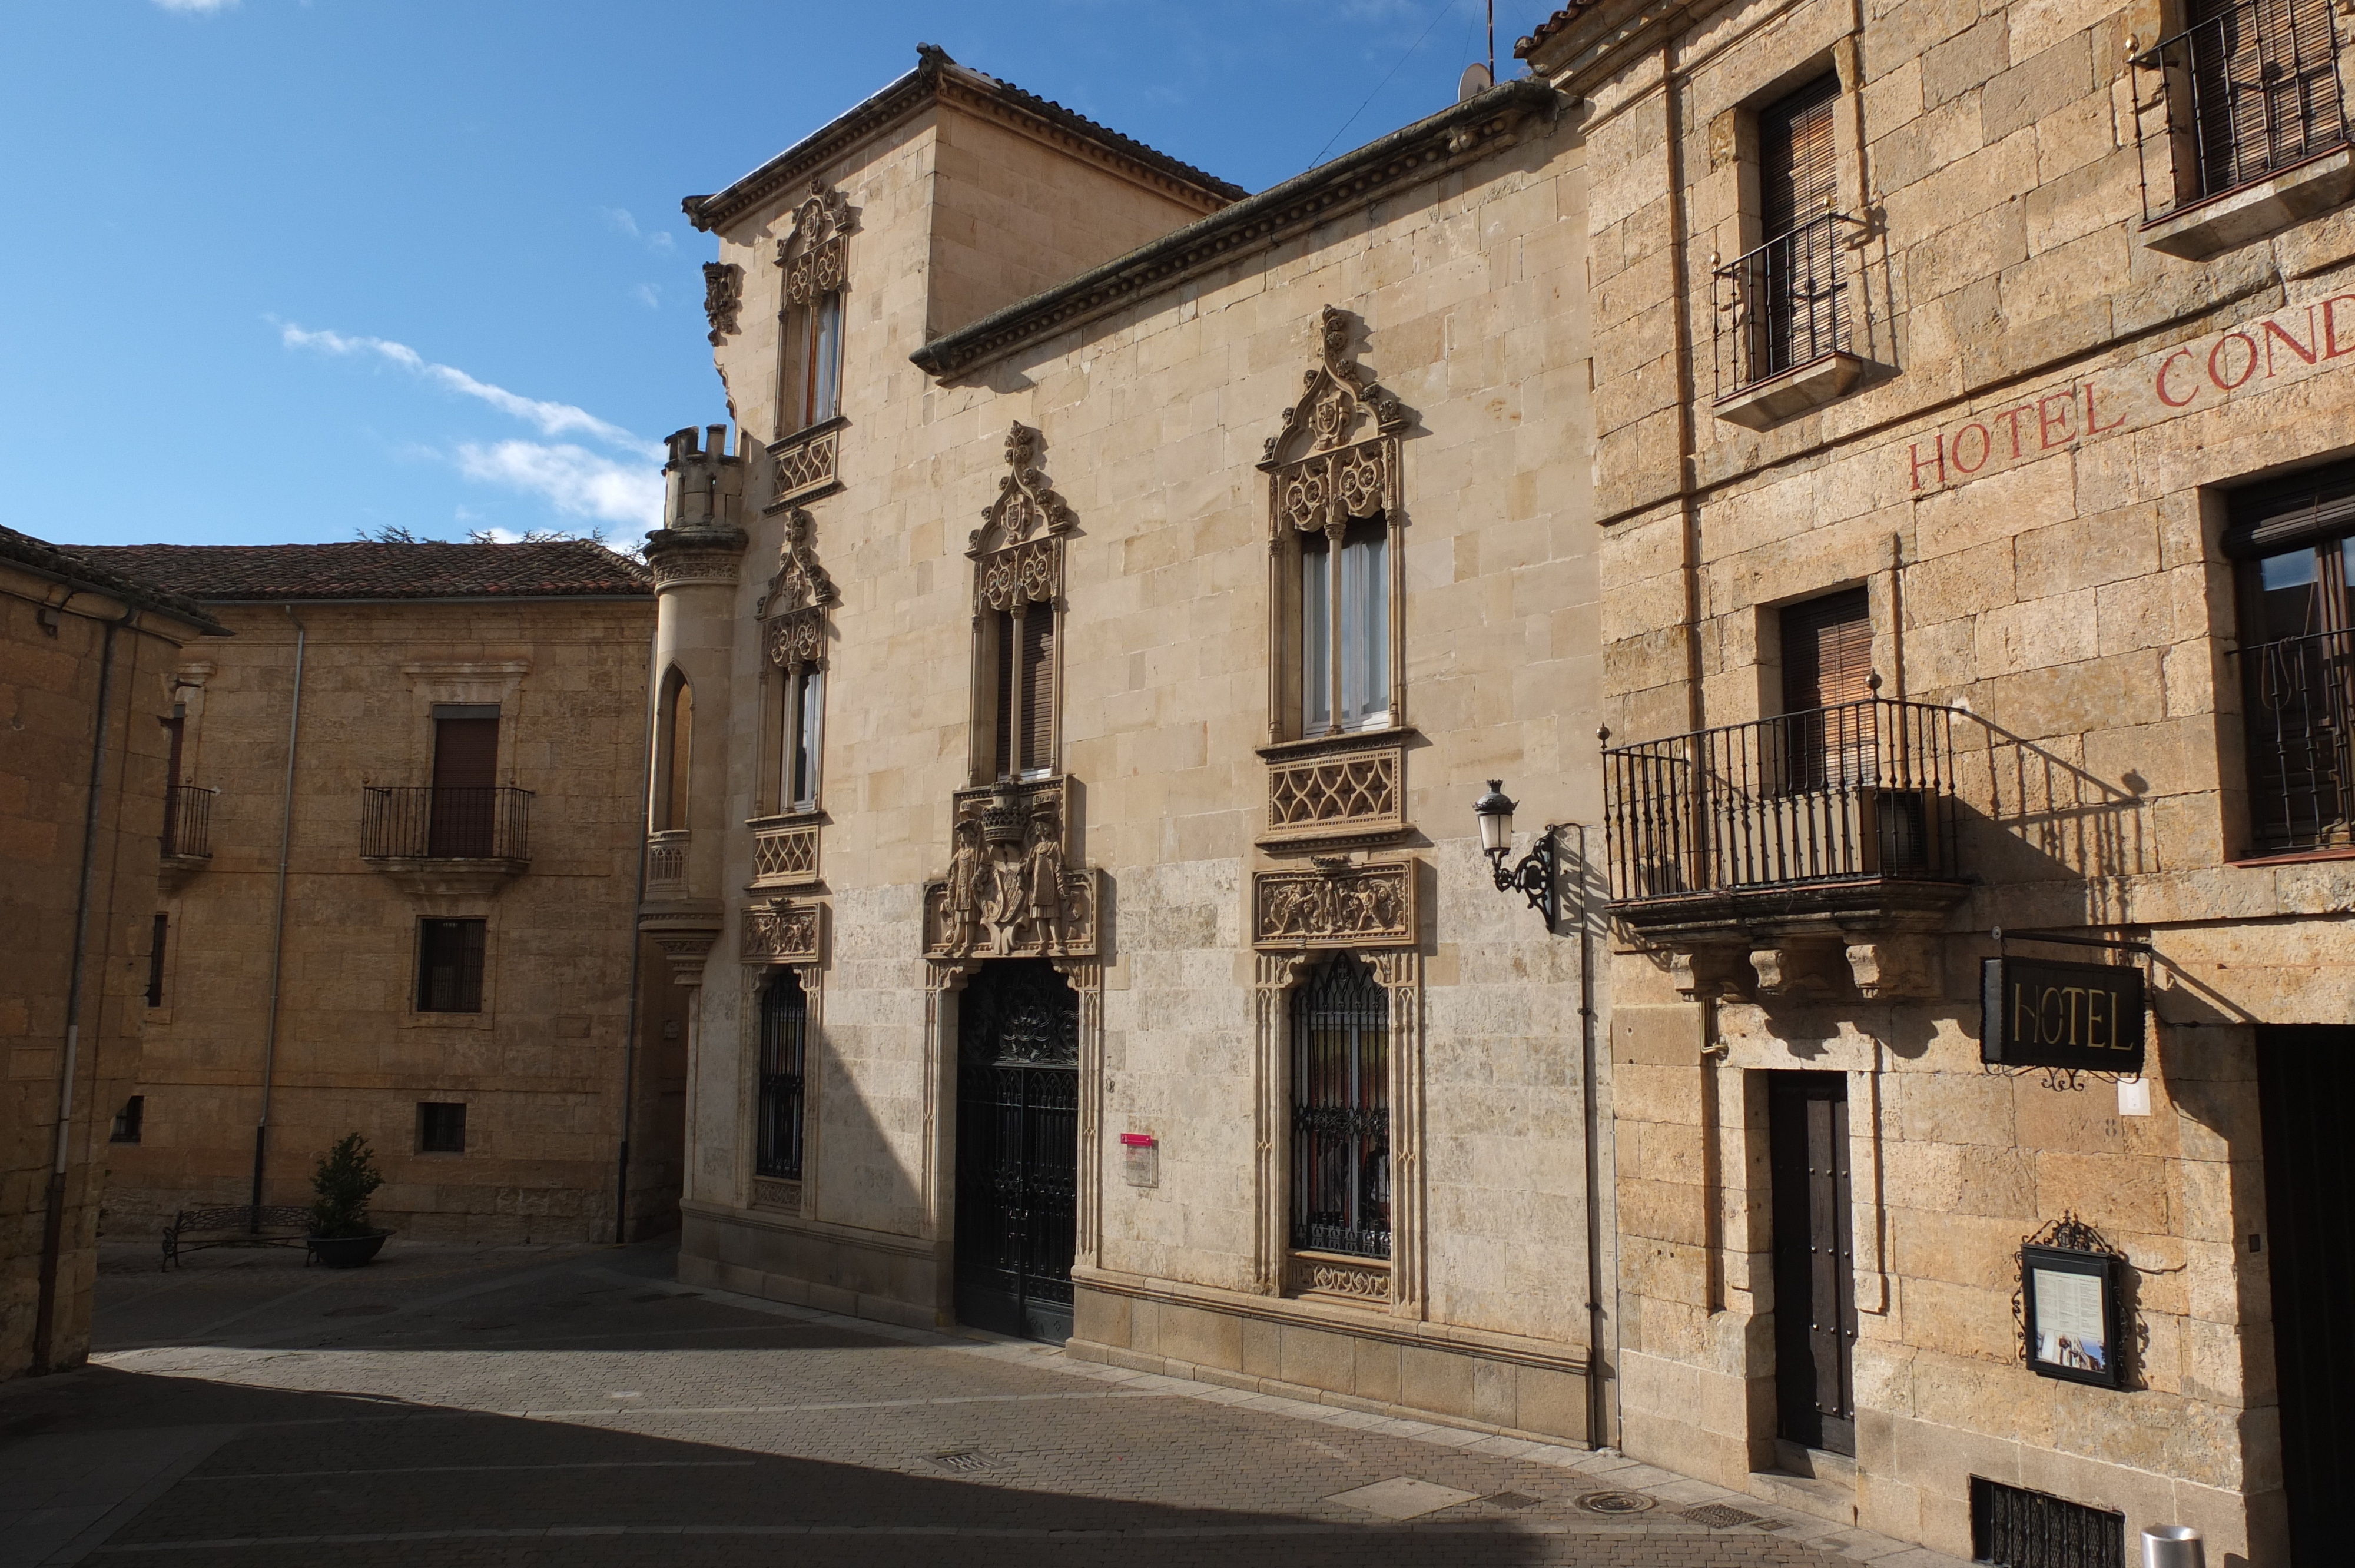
x=240 y=1224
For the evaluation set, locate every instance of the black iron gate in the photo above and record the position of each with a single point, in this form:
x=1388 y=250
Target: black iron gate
x=1017 y=1163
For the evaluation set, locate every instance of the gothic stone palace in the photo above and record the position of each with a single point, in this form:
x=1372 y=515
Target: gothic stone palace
x=1065 y=747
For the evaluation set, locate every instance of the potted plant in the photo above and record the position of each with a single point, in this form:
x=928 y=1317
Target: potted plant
x=341 y=1237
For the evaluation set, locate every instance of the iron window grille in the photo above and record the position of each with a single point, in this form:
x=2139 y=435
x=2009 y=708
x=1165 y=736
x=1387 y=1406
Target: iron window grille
x=2250 y=91
x=1340 y=1112
x=2296 y=540
x=129 y=1120
x=441 y=1126
x=785 y=1029
x=1783 y=305
x=188 y=822
x=1851 y=791
x=2015 y=1528
x=442 y=823
x=450 y=965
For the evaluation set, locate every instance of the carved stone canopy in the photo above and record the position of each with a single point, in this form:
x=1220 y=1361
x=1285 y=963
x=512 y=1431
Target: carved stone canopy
x=1336 y=904
x=813 y=253
x=1336 y=397
x=1027 y=507
x=796 y=604
x=723 y=297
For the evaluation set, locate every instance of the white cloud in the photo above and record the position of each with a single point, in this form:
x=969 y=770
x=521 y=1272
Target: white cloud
x=198 y=8
x=649 y=296
x=572 y=479
x=653 y=240
x=552 y=418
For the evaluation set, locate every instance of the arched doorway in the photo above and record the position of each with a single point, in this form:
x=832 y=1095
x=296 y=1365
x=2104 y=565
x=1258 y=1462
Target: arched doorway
x=1018 y=1148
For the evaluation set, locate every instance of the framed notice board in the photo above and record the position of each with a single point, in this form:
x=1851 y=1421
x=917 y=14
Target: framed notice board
x=2071 y=1315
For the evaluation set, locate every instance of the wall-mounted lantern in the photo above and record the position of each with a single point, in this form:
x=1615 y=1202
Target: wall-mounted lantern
x=1533 y=874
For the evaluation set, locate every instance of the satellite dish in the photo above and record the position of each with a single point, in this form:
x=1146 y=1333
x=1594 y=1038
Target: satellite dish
x=1473 y=83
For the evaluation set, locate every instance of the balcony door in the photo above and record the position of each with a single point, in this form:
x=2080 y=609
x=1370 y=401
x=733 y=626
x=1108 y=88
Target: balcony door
x=466 y=781
x=2264 y=81
x=1826 y=671
x=1798 y=184
x=2296 y=541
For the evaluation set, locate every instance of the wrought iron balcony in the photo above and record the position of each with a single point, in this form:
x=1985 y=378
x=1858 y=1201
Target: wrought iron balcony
x=1839 y=818
x=2301 y=742
x=2249 y=93
x=426 y=822
x=188 y=823
x=1781 y=309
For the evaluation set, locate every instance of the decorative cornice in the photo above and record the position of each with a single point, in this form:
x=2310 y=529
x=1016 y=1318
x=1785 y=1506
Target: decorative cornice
x=937 y=78
x=1454 y=137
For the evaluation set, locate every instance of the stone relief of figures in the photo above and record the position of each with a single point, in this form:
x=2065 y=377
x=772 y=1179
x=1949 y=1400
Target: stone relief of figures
x=1336 y=903
x=1010 y=888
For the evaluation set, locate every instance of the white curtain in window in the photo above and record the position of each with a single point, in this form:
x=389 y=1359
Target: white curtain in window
x=825 y=358
x=808 y=719
x=1365 y=625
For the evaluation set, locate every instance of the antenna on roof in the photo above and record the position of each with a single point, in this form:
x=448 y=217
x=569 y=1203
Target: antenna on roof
x=1478 y=78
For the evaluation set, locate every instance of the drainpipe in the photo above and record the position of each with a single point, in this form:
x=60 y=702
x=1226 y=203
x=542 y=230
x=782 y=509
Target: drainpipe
x=53 y=1228
x=278 y=922
x=637 y=958
x=1599 y=1412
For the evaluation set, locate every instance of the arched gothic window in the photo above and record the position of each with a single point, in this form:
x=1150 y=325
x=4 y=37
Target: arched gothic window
x=784 y=1055
x=815 y=258
x=1017 y=616
x=795 y=643
x=674 y=752
x=1341 y=1111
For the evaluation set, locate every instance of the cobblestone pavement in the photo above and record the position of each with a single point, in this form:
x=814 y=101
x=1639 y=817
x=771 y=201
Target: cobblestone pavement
x=541 y=1405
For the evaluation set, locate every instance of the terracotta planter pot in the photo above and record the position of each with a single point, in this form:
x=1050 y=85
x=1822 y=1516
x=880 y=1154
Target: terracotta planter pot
x=345 y=1251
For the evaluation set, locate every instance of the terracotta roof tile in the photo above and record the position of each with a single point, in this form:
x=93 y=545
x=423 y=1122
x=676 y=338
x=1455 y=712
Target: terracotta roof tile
x=566 y=568
x=1550 y=26
x=57 y=561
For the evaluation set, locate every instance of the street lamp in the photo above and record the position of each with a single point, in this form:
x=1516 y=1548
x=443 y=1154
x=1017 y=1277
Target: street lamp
x=1533 y=874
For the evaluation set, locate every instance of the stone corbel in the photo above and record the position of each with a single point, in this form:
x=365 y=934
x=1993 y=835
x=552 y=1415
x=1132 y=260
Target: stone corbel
x=685 y=938
x=1713 y=973
x=1796 y=971
x=1896 y=967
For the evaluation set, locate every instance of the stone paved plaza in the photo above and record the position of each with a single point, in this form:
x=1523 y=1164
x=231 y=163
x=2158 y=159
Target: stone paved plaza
x=577 y=1405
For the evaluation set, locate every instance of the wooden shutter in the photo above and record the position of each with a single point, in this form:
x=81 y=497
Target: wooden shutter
x=1039 y=683
x=465 y=751
x=1827 y=652
x=2265 y=84
x=1006 y=694
x=1797 y=169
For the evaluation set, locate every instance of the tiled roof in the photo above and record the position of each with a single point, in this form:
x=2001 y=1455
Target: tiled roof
x=563 y=568
x=76 y=566
x=1550 y=26
x=935 y=73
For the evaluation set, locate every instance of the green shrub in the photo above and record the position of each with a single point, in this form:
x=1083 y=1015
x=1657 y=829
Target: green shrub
x=345 y=1176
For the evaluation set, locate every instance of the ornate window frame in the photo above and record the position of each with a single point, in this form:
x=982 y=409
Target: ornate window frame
x=1017 y=556
x=780 y=936
x=795 y=630
x=815 y=258
x=1395 y=1285
x=1327 y=470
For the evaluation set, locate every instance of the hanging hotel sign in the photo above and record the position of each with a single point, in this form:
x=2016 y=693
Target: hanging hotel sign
x=2085 y=1018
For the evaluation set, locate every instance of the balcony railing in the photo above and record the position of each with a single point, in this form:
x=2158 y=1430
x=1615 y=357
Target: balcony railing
x=188 y=823
x=1785 y=303
x=2301 y=742
x=425 y=823
x=1855 y=793
x=2249 y=93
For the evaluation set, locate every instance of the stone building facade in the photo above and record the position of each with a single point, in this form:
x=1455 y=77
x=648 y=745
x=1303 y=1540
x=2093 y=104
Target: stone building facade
x=1067 y=743
x=86 y=660
x=1973 y=420
x=398 y=887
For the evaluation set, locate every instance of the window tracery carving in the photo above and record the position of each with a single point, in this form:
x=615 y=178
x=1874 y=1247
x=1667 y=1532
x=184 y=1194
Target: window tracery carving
x=813 y=253
x=814 y=257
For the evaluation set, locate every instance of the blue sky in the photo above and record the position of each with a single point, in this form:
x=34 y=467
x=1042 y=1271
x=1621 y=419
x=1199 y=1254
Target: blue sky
x=283 y=269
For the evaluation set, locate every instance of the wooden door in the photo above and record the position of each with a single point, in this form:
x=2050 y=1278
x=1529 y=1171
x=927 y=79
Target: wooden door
x=1018 y=1150
x=466 y=776
x=2304 y=1079
x=1815 y=1258
x=1827 y=676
